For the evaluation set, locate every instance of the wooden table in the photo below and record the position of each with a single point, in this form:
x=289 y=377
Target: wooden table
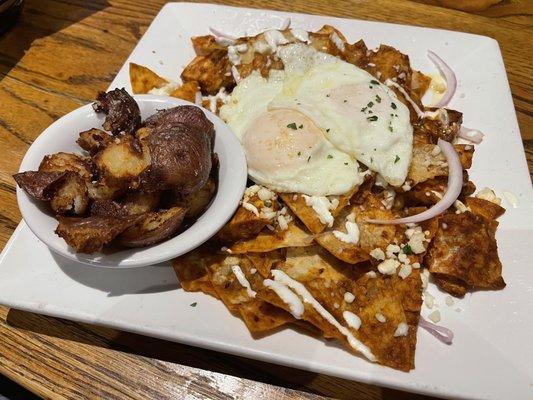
x=61 y=53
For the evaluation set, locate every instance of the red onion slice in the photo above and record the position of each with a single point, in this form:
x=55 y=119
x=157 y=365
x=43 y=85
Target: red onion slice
x=198 y=98
x=472 y=135
x=455 y=185
x=445 y=335
x=216 y=32
x=448 y=75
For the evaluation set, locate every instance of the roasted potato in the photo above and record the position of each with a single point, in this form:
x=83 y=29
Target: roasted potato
x=94 y=140
x=90 y=234
x=153 y=228
x=122 y=112
x=71 y=196
x=39 y=184
x=62 y=162
x=122 y=160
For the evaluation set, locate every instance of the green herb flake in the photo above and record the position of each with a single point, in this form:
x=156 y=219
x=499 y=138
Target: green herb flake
x=394 y=106
x=301 y=126
x=374 y=82
x=330 y=156
x=194 y=304
x=378 y=99
x=308 y=158
x=299 y=153
x=327 y=130
x=363 y=109
x=345 y=101
x=396 y=159
x=370 y=104
x=390 y=128
x=345 y=163
x=268 y=203
x=292 y=125
x=372 y=118
x=407 y=249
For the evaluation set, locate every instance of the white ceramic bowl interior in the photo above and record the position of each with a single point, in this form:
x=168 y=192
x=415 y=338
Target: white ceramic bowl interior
x=62 y=135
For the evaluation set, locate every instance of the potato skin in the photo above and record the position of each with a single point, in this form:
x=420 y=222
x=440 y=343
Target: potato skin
x=94 y=140
x=62 y=162
x=153 y=228
x=122 y=112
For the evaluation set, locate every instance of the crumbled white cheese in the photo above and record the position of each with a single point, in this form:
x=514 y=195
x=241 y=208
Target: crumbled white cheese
x=336 y=305
x=337 y=41
x=371 y=274
x=434 y=316
x=406 y=186
x=322 y=206
x=401 y=330
x=282 y=222
x=405 y=271
x=352 y=320
x=261 y=47
x=351 y=235
x=416 y=265
x=402 y=257
x=424 y=277
x=233 y=55
x=250 y=207
x=392 y=250
x=448 y=300
x=388 y=198
x=460 y=207
x=416 y=239
x=377 y=253
x=380 y=317
x=275 y=38
x=429 y=300
x=388 y=267
x=301 y=34
x=265 y=194
x=222 y=95
x=253 y=271
x=349 y=297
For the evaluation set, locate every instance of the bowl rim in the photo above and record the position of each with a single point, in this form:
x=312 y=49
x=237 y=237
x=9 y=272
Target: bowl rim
x=230 y=190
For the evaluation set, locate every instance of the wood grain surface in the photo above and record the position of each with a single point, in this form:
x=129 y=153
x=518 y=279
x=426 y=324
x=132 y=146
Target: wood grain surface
x=60 y=54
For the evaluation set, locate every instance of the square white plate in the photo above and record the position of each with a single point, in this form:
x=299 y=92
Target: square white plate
x=492 y=355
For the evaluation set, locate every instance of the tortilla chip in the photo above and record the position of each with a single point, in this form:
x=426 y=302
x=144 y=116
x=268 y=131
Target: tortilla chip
x=293 y=236
x=370 y=235
x=258 y=316
x=464 y=250
x=191 y=270
x=187 y=91
x=484 y=208
x=328 y=279
x=144 y=79
x=264 y=262
x=308 y=215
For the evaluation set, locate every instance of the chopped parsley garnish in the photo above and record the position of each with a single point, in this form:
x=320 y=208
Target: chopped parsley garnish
x=396 y=159
x=363 y=109
x=378 y=99
x=327 y=130
x=407 y=249
x=299 y=153
x=345 y=163
x=267 y=203
x=292 y=125
x=327 y=95
x=374 y=82
x=390 y=128
x=394 y=106
x=330 y=156
x=300 y=127
x=370 y=104
x=372 y=118
x=193 y=304
x=308 y=158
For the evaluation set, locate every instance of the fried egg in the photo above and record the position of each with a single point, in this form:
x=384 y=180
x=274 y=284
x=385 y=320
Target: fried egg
x=305 y=128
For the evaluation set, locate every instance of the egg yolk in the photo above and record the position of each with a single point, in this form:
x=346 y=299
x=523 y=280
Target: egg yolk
x=281 y=139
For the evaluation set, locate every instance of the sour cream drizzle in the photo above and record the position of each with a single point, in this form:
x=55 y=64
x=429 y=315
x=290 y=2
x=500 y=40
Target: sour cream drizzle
x=242 y=280
x=419 y=112
x=296 y=306
x=283 y=279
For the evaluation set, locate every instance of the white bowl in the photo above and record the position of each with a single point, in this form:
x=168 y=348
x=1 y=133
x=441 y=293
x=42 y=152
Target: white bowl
x=62 y=135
